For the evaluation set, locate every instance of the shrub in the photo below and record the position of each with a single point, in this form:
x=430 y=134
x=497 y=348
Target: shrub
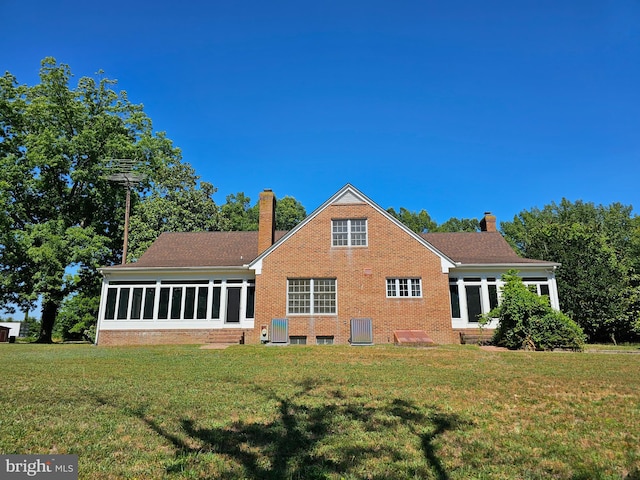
x=77 y=318
x=528 y=321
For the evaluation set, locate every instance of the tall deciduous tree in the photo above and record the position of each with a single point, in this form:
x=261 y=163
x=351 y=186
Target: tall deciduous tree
x=178 y=203
x=60 y=217
x=459 y=225
x=419 y=222
x=598 y=247
x=289 y=213
x=237 y=214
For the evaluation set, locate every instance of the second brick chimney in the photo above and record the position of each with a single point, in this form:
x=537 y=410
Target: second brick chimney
x=488 y=223
x=267 y=221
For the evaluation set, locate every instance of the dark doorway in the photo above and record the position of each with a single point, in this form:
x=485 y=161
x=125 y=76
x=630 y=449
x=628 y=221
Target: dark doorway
x=474 y=305
x=233 y=304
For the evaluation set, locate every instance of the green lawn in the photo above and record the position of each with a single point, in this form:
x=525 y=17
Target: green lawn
x=323 y=412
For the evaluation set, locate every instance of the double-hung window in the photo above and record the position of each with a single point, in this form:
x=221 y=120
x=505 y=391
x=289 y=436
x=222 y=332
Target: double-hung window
x=349 y=233
x=312 y=296
x=404 y=287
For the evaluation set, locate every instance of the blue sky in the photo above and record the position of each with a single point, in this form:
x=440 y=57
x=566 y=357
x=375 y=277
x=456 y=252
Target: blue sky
x=456 y=107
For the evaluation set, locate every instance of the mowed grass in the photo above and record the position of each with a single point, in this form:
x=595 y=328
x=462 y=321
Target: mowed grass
x=323 y=412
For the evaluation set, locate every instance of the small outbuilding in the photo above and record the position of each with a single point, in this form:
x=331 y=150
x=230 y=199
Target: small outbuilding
x=4 y=334
x=13 y=331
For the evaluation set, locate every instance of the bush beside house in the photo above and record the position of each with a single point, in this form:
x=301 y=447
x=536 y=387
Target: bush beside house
x=528 y=322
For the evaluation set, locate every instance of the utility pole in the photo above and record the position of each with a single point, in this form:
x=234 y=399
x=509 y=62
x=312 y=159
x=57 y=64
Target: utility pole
x=124 y=175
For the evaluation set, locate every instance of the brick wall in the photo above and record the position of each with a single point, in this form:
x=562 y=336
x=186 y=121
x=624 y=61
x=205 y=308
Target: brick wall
x=361 y=274
x=167 y=337
x=267 y=220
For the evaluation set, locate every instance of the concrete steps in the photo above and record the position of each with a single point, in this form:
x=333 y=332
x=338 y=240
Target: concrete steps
x=476 y=338
x=413 y=338
x=229 y=337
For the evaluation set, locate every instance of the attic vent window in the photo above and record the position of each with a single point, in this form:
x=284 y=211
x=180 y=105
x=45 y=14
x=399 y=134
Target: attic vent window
x=349 y=232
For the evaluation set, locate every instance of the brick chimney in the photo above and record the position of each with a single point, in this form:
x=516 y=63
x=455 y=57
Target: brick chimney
x=488 y=223
x=267 y=221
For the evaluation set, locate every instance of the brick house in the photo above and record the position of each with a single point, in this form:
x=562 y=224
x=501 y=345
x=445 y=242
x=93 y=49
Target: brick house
x=348 y=273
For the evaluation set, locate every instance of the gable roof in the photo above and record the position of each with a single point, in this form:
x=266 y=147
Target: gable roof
x=200 y=249
x=478 y=248
x=240 y=249
x=351 y=195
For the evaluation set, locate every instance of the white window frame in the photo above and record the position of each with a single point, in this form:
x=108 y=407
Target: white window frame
x=486 y=281
x=396 y=287
x=472 y=280
x=171 y=286
x=538 y=283
x=311 y=300
x=351 y=231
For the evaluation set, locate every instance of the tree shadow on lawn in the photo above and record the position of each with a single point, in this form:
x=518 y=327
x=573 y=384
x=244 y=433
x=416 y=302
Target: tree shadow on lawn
x=315 y=434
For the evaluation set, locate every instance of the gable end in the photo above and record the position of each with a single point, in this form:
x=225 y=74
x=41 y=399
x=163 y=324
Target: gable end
x=348 y=198
x=349 y=195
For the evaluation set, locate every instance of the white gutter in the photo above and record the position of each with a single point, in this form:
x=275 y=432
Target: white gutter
x=109 y=270
x=503 y=265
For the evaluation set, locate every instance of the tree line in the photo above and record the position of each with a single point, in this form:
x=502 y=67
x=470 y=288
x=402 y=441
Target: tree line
x=599 y=250
x=597 y=246
x=62 y=218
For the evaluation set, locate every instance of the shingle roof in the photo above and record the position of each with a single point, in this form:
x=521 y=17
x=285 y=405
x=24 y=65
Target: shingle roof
x=235 y=249
x=201 y=249
x=476 y=248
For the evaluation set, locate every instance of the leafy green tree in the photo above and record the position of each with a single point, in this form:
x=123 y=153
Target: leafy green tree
x=419 y=222
x=32 y=326
x=289 y=213
x=77 y=316
x=178 y=203
x=61 y=218
x=238 y=215
x=459 y=225
x=598 y=248
x=528 y=322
